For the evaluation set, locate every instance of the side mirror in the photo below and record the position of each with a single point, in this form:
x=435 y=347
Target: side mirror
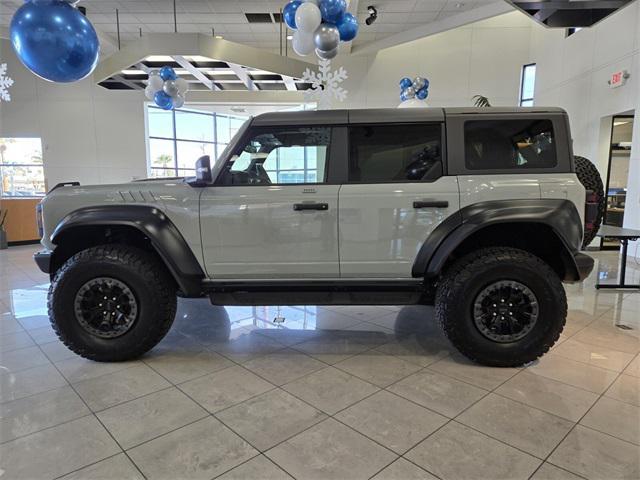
x=203 y=169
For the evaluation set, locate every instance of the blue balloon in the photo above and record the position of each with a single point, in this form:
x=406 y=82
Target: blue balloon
x=54 y=40
x=289 y=13
x=403 y=97
x=168 y=73
x=332 y=10
x=423 y=93
x=426 y=83
x=163 y=100
x=405 y=83
x=348 y=27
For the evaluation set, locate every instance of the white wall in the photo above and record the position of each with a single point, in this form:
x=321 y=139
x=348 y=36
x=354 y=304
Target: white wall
x=484 y=58
x=88 y=133
x=573 y=73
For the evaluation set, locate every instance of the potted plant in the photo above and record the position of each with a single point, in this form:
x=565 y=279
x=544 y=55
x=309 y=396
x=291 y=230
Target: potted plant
x=480 y=101
x=3 y=233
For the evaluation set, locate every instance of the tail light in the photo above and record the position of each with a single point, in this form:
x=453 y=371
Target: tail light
x=591 y=209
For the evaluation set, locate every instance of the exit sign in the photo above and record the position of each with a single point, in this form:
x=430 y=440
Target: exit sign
x=618 y=79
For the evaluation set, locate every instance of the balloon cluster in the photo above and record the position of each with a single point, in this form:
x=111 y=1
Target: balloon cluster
x=320 y=25
x=166 y=89
x=55 y=40
x=416 y=88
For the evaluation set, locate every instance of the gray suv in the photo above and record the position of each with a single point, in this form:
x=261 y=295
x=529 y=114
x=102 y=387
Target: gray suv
x=476 y=211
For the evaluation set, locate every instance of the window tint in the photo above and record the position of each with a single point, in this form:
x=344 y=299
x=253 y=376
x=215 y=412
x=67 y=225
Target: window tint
x=509 y=144
x=288 y=155
x=395 y=153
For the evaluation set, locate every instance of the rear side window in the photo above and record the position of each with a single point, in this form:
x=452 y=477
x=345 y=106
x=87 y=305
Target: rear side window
x=509 y=144
x=395 y=153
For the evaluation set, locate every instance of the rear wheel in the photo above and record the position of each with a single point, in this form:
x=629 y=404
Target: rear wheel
x=590 y=178
x=501 y=307
x=112 y=303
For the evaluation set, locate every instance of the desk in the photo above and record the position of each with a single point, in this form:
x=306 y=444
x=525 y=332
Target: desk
x=21 y=225
x=624 y=235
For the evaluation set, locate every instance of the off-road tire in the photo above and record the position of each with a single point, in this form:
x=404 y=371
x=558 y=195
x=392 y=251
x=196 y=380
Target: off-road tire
x=146 y=277
x=590 y=178
x=467 y=277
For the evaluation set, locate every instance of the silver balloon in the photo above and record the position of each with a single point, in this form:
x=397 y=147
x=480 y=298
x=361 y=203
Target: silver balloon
x=183 y=85
x=410 y=92
x=178 y=101
x=328 y=55
x=418 y=83
x=326 y=37
x=171 y=88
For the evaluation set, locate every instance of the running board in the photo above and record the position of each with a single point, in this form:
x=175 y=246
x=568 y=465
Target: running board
x=315 y=292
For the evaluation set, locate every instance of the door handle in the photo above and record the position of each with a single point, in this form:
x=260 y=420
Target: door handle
x=300 y=207
x=431 y=204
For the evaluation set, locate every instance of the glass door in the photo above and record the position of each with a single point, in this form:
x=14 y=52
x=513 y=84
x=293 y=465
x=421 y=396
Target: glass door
x=618 y=175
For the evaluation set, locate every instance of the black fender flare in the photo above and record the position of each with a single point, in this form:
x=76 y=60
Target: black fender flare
x=164 y=236
x=558 y=214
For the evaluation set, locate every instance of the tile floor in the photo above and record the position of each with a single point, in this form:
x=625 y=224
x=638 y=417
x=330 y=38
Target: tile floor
x=334 y=392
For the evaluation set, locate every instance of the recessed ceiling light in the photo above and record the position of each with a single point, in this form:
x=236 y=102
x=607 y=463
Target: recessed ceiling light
x=219 y=37
x=289 y=37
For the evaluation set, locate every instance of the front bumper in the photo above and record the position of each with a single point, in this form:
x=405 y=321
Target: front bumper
x=584 y=265
x=43 y=260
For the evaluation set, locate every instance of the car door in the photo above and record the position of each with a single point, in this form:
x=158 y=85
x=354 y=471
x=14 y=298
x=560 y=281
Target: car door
x=271 y=212
x=395 y=196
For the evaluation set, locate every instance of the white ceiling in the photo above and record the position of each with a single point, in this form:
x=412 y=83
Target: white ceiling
x=227 y=17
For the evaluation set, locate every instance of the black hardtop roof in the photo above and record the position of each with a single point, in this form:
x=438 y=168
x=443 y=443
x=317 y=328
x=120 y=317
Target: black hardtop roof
x=388 y=115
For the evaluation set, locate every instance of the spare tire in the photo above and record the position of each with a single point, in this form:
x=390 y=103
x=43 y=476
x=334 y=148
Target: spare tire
x=596 y=201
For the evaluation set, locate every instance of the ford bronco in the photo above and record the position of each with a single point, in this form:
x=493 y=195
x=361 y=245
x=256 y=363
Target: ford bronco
x=476 y=211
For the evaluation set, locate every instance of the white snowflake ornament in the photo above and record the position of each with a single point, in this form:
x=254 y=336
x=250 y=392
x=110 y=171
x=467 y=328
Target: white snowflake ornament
x=325 y=85
x=5 y=83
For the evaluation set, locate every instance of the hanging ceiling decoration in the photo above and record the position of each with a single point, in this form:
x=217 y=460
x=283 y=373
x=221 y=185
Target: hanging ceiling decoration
x=207 y=63
x=570 y=13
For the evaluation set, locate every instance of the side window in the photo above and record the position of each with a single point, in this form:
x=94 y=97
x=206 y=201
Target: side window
x=281 y=156
x=395 y=153
x=509 y=144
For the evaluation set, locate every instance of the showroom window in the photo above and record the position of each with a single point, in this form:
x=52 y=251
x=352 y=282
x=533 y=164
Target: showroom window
x=509 y=144
x=177 y=138
x=527 y=85
x=395 y=153
x=21 y=168
x=290 y=155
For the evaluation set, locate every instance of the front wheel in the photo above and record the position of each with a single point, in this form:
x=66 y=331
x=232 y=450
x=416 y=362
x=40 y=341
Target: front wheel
x=501 y=307
x=112 y=303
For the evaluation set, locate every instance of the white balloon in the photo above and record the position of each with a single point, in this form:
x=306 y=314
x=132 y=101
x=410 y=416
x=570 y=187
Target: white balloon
x=178 y=101
x=315 y=2
x=149 y=92
x=156 y=82
x=308 y=17
x=414 y=103
x=303 y=43
x=183 y=86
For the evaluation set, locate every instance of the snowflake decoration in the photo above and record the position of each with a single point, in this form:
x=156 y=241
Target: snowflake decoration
x=325 y=85
x=5 y=83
